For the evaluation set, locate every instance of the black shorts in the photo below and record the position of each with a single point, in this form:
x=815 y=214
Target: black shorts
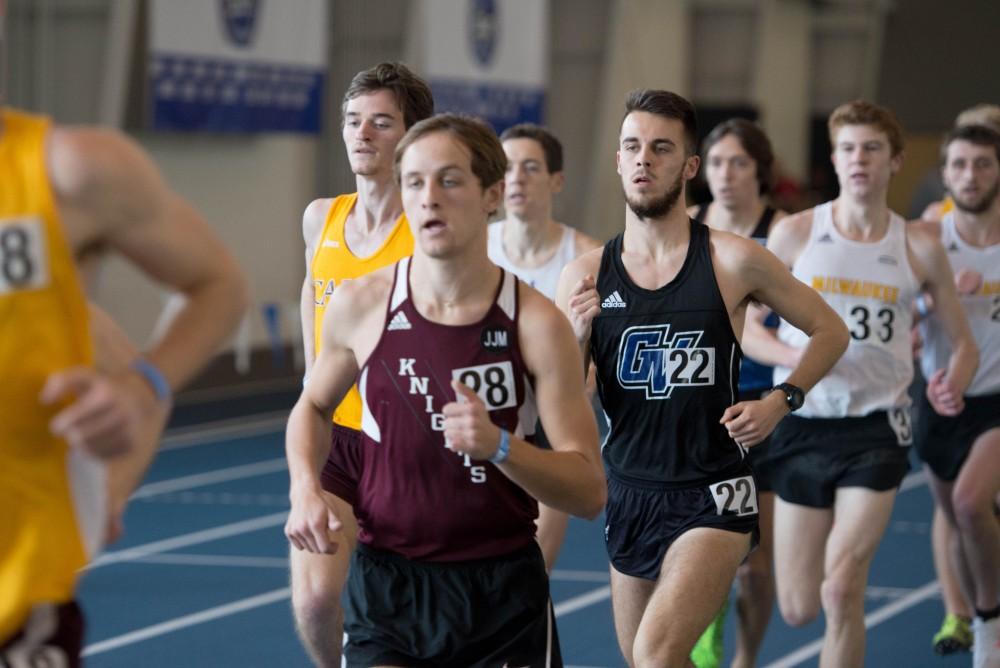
x=943 y=442
x=342 y=469
x=810 y=458
x=56 y=638
x=757 y=455
x=643 y=520
x=486 y=613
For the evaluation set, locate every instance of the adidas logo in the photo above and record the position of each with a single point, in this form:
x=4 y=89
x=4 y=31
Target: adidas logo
x=953 y=248
x=399 y=321
x=614 y=300
x=331 y=243
x=888 y=259
x=825 y=239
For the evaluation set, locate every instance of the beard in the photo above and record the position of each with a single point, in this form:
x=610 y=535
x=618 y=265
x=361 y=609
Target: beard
x=977 y=206
x=660 y=206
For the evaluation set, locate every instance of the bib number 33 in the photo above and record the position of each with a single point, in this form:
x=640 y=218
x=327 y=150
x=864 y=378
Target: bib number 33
x=736 y=496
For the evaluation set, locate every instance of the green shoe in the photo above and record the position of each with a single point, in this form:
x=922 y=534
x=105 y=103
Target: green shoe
x=955 y=635
x=707 y=652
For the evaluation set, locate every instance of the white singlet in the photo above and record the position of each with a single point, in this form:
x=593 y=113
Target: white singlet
x=981 y=308
x=544 y=278
x=872 y=287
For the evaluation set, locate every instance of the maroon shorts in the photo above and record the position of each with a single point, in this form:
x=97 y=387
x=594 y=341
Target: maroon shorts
x=52 y=636
x=342 y=470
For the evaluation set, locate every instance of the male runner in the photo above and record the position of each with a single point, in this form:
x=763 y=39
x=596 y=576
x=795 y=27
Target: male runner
x=738 y=164
x=963 y=452
x=451 y=354
x=65 y=189
x=532 y=245
x=347 y=237
x=661 y=322
x=836 y=466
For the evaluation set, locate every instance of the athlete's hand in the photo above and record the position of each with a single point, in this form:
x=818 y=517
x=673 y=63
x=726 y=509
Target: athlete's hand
x=750 y=422
x=468 y=429
x=945 y=398
x=106 y=412
x=584 y=305
x=312 y=522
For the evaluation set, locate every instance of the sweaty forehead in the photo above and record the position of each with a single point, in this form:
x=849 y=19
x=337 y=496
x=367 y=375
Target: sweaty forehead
x=436 y=151
x=381 y=101
x=523 y=148
x=650 y=127
x=861 y=133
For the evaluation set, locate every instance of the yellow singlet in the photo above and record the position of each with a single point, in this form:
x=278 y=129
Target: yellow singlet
x=46 y=533
x=333 y=263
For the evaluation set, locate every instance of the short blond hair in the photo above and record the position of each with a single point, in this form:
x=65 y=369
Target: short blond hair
x=981 y=114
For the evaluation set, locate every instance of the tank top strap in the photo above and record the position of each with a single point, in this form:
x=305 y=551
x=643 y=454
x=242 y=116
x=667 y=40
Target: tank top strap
x=400 y=284
x=701 y=213
x=764 y=223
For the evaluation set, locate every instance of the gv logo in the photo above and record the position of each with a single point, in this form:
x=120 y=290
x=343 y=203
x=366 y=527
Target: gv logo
x=650 y=361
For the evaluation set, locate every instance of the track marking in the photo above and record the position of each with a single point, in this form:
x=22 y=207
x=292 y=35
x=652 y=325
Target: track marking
x=244 y=604
x=211 y=477
x=872 y=619
x=185 y=540
x=211 y=433
x=188 y=620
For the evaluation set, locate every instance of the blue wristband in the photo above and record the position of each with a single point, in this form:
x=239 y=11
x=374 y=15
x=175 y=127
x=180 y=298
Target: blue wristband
x=921 y=305
x=154 y=377
x=503 y=448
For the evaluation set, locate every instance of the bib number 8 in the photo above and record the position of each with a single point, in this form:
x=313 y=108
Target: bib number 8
x=737 y=496
x=22 y=256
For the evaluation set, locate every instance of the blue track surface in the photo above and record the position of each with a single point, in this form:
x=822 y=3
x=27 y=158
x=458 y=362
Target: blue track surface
x=200 y=578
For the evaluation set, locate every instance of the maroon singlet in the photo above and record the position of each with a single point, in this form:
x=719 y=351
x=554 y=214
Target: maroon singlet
x=416 y=497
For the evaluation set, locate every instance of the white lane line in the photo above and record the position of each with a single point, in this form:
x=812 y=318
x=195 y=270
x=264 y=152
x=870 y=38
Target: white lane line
x=185 y=540
x=583 y=601
x=579 y=576
x=188 y=620
x=874 y=618
x=218 y=612
x=229 y=561
x=205 y=433
x=211 y=477
x=913 y=480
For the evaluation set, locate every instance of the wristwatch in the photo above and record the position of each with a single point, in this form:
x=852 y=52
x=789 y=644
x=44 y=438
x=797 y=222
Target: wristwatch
x=794 y=396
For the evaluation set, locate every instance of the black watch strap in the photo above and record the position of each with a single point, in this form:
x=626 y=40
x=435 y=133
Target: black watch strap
x=794 y=396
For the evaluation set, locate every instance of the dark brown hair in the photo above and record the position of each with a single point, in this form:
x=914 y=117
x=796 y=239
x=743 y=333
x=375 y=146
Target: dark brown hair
x=669 y=105
x=413 y=95
x=550 y=145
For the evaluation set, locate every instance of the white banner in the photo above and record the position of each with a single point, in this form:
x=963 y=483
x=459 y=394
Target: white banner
x=237 y=65
x=487 y=57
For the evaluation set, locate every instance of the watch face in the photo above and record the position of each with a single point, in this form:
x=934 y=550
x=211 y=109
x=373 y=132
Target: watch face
x=795 y=397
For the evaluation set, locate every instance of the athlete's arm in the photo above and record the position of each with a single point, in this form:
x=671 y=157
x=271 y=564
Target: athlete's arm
x=113 y=352
x=762 y=277
x=946 y=387
x=576 y=296
x=786 y=240
x=312 y=227
x=569 y=477
x=108 y=190
x=358 y=309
